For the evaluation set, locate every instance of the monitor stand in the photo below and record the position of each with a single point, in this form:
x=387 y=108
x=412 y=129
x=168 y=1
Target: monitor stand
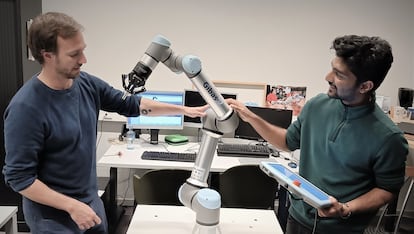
x=154 y=136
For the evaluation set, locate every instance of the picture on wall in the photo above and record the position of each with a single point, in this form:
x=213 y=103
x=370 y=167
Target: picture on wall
x=286 y=97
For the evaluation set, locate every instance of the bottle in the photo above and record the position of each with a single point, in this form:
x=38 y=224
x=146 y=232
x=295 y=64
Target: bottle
x=130 y=137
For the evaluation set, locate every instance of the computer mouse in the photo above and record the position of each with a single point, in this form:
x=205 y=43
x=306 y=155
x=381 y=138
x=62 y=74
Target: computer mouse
x=175 y=139
x=275 y=154
x=292 y=164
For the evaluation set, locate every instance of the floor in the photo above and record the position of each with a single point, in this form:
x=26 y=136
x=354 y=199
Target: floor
x=407 y=224
x=124 y=222
x=406 y=227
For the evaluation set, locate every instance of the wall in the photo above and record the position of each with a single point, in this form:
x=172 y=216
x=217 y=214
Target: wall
x=270 y=41
x=266 y=41
x=14 y=69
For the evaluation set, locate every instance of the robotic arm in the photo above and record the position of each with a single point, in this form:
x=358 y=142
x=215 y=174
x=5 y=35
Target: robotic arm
x=220 y=119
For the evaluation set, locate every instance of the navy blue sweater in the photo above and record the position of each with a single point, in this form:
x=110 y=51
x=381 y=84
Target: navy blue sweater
x=51 y=134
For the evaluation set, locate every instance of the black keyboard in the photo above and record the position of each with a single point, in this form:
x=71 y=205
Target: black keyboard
x=169 y=156
x=406 y=127
x=243 y=150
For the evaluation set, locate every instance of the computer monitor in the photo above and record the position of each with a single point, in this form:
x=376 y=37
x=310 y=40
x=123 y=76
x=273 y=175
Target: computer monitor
x=278 y=117
x=159 y=122
x=193 y=98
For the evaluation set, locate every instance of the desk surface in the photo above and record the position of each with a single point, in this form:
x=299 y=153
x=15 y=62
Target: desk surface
x=8 y=219
x=120 y=157
x=6 y=213
x=181 y=220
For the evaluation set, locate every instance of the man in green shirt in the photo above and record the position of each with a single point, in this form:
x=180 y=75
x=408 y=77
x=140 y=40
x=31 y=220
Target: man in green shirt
x=348 y=147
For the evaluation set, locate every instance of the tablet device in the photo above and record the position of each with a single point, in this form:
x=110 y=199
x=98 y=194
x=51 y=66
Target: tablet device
x=296 y=184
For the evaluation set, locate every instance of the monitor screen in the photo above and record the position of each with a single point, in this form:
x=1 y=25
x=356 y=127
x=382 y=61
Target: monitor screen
x=193 y=98
x=278 y=117
x=159 y=122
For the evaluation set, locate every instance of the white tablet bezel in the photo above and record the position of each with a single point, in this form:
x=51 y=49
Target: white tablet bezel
x=286 y=182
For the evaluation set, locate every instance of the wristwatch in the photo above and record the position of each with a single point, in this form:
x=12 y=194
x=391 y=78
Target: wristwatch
x=349 y=213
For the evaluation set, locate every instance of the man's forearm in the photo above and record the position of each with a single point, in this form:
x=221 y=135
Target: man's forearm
x=154 y=108
x=42 y=194
x=372 y=200
x=273 y=134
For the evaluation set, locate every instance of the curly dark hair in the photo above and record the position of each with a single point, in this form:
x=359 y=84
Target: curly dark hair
x=46 y=28
x=368 y=58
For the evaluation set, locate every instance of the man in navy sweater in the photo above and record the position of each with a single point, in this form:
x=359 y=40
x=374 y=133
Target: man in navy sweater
x=50 y=129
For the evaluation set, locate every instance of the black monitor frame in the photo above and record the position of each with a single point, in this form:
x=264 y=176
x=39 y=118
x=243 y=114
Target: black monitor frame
x=278 y=117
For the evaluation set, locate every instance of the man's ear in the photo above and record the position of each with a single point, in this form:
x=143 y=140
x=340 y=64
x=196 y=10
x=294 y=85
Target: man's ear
x=366 y=86
x=46 y=55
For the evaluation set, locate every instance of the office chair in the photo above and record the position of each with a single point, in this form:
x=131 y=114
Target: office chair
x=247 y=186
x=409 y=174
x=159 y=187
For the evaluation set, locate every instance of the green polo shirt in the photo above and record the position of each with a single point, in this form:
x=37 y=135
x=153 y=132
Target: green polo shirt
x=346 y=152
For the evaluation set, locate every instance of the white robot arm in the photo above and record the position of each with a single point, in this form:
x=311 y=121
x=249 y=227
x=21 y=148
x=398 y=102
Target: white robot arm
x=220 y=119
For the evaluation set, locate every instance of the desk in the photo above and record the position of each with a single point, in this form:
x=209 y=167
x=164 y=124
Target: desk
x=181 y=220
x=132 y=159
x=8 y=219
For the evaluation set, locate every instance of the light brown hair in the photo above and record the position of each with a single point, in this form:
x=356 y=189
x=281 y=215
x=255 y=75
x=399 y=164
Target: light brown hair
x=46 y=28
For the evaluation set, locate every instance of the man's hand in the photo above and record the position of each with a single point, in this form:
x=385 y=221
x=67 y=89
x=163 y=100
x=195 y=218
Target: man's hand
x=241 y=109
x=199 y=111
x=336 y=210
x=83 y=215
